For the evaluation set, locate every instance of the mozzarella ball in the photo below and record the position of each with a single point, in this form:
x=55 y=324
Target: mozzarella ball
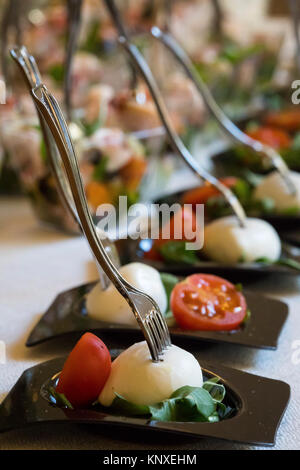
x=139 y=380
x=226 y=241
x=109 y=305
x=274 y=187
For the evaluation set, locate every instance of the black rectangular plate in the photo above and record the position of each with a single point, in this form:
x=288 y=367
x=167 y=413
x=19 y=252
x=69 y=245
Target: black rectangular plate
x=256 y=419
x=291 y=236
x=282 y=223
x=134 y=251
x=67 y=314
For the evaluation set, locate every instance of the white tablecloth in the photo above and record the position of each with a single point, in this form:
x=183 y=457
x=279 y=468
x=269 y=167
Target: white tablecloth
x=37 y=263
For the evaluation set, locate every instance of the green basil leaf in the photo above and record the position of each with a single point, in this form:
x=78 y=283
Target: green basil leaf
x=100 y=169
x=247 y=317
x=57 y=72
x=290 y=211
x=169 y=282
x=90 y=128
x=43 y=150
x=291 y=263
x=191 y=397
x=243 y=191
x=217 y=391
x=164 y=411
x=281 y=261
x=175 y=251
x=185 y=404
x=296 y=142
x=122 y=406
x=59 y=399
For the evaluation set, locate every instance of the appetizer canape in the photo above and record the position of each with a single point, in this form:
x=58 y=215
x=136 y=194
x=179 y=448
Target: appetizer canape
x=278 y=129
x=201 y=302
x=225 y=240
x=132 y=385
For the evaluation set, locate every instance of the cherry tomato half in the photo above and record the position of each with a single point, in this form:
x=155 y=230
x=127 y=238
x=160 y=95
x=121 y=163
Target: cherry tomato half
x=207 y=302
x=203 y=193
x=276 y=138
x=85 y=371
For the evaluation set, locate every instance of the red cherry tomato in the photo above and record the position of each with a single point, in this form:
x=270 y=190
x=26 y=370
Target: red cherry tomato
x=85 y=371
x=184 y=219
x=203 y=193
x=276 y=138
x=207 y=302
x=288 y=119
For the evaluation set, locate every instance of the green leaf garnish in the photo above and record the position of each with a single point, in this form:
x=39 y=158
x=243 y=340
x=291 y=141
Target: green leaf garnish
x=175 y=251
x=247 y=317
x=100 y=169
x=169 y=282
x=185 y=404
x=291 y=263
x=59 y=399
x=57 y=72
x=90 y=128
x=290 y=211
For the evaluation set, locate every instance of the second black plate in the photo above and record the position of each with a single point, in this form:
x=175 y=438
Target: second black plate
x=67 y=314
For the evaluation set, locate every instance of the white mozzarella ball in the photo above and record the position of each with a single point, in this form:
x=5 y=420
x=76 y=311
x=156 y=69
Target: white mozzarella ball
x=273 y=187
x=226 y=241
x=109 y=305
x=139 y=380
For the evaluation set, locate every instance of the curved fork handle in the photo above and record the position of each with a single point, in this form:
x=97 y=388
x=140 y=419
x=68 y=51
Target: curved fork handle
x=53 y=116
x=49 y=108
x=31 y=74
x=225 y=123
x=178 y=145
x=32 y=77
x=74 y=22
x=176 y=141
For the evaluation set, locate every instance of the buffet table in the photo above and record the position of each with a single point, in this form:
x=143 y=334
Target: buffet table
x=36 y=263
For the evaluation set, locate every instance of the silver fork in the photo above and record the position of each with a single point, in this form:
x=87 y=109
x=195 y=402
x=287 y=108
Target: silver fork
x=32 y=77
x=225 y=123
x=74 y=21
x=144 y=308
x=175 y=140
x=295 y=13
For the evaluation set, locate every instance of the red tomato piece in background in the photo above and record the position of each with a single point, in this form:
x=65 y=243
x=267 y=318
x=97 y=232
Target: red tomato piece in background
x=85 y=371
x=276 y=138
x=207 y=302
x=203 y=193
x=184 y=218
x=288 y=119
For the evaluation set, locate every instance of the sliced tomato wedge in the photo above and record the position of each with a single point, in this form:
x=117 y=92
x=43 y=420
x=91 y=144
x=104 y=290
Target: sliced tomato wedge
x=85 y=371
x=288 y=119
x=276 y=138
x=207 y=302
x=203 y=193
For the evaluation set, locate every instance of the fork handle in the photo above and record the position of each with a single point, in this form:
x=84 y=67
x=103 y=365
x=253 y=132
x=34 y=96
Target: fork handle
x=32 y=77
x=225 y=123
x=175 y=140
x=53 y=116
x=74 y=21
x=177 y=143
